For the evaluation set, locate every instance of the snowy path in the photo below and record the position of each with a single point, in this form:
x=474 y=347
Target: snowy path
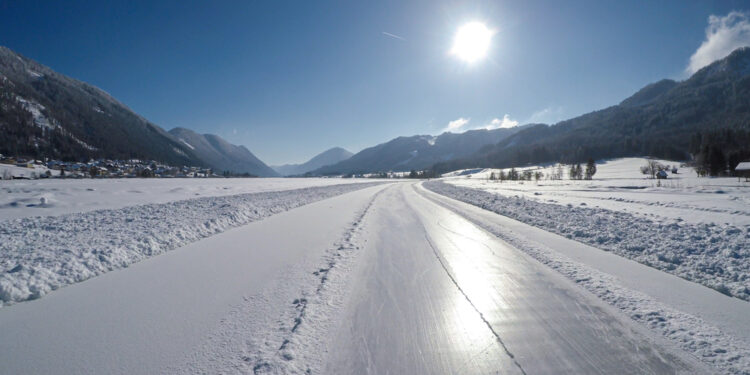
x=150 y=315
x=436 y=294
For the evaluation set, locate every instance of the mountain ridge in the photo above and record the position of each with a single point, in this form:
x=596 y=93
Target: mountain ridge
x=48 y=114
x=328 y=157
x=416 y=152
x=662 y=120
x=221 y=155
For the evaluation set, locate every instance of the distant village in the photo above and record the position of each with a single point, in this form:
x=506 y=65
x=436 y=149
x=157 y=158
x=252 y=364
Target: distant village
x=20 y=168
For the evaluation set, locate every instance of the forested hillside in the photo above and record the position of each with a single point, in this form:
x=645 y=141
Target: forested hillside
x=668 y=119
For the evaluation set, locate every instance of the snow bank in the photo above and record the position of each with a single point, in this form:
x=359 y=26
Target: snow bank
x=712 y=255
x=41 y=254
x=20 y=198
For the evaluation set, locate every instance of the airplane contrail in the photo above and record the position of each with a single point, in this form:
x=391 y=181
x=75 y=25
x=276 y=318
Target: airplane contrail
x=394 y=36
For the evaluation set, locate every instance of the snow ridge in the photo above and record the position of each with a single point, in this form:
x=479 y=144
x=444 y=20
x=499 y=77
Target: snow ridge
x=715 y=256
x=41 y=254
x=692 y=334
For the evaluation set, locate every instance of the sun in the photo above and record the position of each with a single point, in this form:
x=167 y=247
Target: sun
x=471 y=42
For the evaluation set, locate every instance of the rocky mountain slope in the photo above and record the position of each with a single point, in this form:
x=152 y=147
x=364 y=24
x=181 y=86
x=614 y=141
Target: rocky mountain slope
x=47 y=114
x=221 y=155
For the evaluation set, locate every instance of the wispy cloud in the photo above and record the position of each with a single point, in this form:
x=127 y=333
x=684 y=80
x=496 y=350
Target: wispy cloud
x=394 y=36
x=723 y=35
x=550 y=115
x=497 y=123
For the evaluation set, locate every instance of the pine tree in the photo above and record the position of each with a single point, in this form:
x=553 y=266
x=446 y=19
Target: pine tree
x=513 y=174
x=590 y=169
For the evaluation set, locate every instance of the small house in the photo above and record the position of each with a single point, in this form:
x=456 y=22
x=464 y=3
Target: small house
x=743 y=170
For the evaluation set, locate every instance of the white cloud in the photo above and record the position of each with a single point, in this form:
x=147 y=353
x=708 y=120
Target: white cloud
x=457 y=125
x=497 y=123
x=723 y=35
x=549 y=115
x=460 y=124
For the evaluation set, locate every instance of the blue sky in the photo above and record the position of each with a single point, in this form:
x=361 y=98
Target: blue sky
x=291 y=79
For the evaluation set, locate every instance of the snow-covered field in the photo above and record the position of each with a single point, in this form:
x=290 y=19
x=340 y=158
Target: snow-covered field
x=7 y=172
x=674 y=229
x=39 y=254
x=619 y=186
x=25 y=198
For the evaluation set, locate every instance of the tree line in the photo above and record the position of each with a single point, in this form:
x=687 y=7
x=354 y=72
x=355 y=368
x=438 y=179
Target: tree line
x=717 y=152
x=575 y=172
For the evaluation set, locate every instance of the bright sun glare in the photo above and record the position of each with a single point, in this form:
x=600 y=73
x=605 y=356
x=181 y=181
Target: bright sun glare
x=471 y=42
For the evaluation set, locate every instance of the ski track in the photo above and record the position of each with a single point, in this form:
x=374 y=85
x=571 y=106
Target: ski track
x=715 y=256
x=299 y=344
x=41 y=254
x=711 y=345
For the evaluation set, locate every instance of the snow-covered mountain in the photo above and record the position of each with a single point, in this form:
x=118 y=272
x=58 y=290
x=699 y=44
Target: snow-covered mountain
x=221 y=155
x=328 y=157
x=47 y=114
x=417 y=152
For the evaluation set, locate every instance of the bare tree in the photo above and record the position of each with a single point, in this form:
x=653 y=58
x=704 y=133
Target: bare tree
x=651 y=168
x=538 y=175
